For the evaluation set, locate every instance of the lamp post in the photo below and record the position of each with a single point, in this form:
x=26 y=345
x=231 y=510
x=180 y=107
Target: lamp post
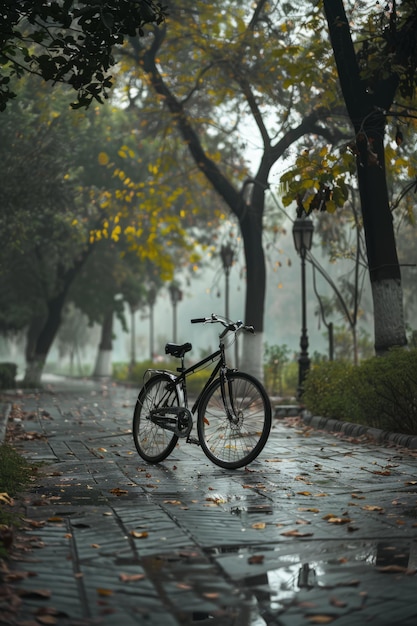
x=176 y=296
x=151 y=302
x=303 y=238
x=226 y=253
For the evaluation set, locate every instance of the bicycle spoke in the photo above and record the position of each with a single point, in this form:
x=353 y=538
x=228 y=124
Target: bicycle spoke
x=153 y=442
x=235 y=441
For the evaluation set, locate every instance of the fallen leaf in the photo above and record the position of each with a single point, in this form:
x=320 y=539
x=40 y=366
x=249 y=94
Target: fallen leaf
x=55 y=519
x=256 y=559
x=139 y=535
x=295 y=533
x=174 y=502
x=46 y=619
x=118 y=492
x=338 y=520
x=184 y=586
x=131 y=578
x=34 y=593
x=303 y=493
x=104 y=592
x=321 y=619
x=372 y=507
x=309 y=509
x=4 y=497
x=396 y=569
x=211 y=595
x=259 y=525
x=382 y=473
x=357 y=496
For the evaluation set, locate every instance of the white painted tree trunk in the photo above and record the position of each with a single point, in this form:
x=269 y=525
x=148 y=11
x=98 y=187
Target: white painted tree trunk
x=103 y=365
x=251 y=360
x=33 y=372
x=388 y=315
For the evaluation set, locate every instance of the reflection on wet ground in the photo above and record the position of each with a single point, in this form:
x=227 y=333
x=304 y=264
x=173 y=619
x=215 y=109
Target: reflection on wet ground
x=317 y=530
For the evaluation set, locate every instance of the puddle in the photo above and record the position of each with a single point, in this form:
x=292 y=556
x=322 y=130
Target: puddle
x=277 y=579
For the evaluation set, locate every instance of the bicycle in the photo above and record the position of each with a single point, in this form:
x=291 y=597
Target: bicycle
x=233 y=409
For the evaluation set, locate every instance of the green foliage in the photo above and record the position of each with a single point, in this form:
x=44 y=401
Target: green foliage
x=8 y=375
x=123 y=373
x=15 y=474
x=275 y=358
x=381 y=392
x=68 y=42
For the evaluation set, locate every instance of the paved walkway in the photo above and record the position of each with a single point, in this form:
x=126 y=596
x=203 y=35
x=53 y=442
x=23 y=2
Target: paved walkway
x=319 y=529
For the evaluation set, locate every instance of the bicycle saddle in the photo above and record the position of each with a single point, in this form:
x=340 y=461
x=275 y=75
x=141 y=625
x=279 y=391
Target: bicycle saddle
x=178 y=350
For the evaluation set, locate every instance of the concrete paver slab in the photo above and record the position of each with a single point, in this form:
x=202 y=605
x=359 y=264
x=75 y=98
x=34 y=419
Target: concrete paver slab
x=319 y=529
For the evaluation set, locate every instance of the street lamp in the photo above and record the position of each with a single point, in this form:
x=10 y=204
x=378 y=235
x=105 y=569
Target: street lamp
x=151 y=302
x=226 y=253
x=176 y=296
x=303 y=238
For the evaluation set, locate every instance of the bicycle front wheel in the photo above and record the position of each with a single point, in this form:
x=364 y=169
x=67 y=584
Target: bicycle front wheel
x=234 y=427
x=152 y=442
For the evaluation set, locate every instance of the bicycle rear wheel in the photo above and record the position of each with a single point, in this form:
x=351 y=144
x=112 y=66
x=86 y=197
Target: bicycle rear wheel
x=152 y=442
x=234 y=441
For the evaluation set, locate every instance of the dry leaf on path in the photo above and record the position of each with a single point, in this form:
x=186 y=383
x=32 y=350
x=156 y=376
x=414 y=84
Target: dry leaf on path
x=372 y=507
x=295 y=533
x=396 y=569
x=256 y=559
x=118 y=492
x=320 y=619
x=259 y=525
x=130 y=578
x=139 y=535
x=104 y=592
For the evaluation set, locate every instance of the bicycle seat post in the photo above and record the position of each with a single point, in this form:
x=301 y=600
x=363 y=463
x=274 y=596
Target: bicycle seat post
x=180 y=370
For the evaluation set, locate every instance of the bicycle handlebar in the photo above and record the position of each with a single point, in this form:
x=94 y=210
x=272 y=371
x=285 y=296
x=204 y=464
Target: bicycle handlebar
x=228 y=325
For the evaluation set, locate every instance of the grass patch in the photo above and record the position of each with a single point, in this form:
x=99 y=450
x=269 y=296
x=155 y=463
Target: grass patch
x=15 y=474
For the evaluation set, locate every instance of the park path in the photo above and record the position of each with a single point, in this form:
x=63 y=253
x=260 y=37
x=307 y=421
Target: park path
x=319 y=529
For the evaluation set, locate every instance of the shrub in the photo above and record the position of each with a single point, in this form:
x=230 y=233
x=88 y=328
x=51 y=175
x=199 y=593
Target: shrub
x=8 y=373
x=380 y=392
x=327 y=391
x=122 y=373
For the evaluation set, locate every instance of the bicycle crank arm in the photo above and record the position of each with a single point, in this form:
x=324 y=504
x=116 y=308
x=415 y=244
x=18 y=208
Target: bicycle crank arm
x=181 y=424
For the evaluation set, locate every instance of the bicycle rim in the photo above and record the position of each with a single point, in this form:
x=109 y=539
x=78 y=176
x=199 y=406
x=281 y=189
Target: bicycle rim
x=152 y=442
x=236 y=442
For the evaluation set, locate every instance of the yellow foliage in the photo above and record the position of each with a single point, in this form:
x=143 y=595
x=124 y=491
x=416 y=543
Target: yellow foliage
x=103 y=158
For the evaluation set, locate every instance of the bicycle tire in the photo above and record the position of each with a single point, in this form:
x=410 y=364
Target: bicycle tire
x=234 y=445
x=152 y=442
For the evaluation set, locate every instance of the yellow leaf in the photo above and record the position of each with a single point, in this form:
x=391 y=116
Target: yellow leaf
x=259 y=525
x=104 y=592
x=103 y=158
x=4 y=497
x=295 y=533
x=139 y=535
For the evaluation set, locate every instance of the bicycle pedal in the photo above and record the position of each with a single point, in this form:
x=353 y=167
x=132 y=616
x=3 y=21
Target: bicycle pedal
x=193 y=440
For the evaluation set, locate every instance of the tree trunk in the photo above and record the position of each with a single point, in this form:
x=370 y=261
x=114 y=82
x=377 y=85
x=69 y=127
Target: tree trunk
x=366 y=109
x=103 y=362
x=38 y=349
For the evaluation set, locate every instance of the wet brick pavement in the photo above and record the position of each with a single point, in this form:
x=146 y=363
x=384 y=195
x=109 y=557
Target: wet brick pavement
x=319 y=529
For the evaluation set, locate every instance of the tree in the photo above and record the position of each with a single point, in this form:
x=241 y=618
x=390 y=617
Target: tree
x=68 y=207
x=68 y=41
x=369 y=93
x=238 y=63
